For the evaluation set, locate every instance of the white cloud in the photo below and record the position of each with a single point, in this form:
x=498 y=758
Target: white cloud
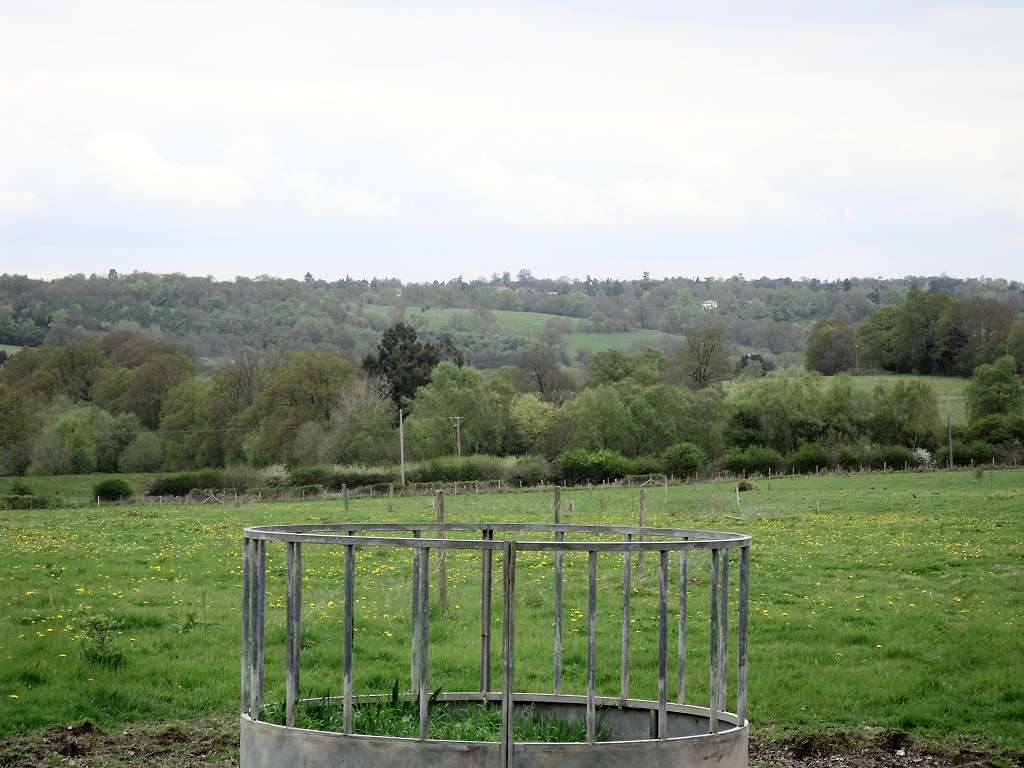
x=134 y=170
x=503 y=117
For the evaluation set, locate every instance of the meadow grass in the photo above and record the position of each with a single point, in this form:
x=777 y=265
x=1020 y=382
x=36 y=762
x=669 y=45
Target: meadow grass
x=75 y=488
x=891 y=600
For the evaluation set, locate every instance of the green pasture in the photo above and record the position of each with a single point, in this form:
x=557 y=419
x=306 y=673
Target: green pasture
x=889 y=599
x=74 y=489
x=511 y=323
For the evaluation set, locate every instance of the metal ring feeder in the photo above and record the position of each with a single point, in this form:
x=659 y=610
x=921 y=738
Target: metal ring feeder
x=642 y=732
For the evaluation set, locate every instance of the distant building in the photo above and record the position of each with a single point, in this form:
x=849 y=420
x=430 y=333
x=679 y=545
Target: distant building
x=709 y=305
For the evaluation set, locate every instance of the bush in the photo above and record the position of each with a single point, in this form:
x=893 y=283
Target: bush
x=307 y=490
x=98 y=643
x=998 y=429
x=889 y=457
x=683 y=459
x=809 y=457
x=240 y=477
x=447 y=469
x=182 y=483
x=528 y=470
x=355 y=476
x=755 y=459
x=113 y=489
x=579 y=465
x=20 y=488
x=30 y=501
x=849 y=457
x=961 y=455
x=981 y=452
x=276 y=475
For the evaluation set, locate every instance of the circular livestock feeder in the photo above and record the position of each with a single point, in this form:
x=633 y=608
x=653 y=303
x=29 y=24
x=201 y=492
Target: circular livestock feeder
x=614 y=729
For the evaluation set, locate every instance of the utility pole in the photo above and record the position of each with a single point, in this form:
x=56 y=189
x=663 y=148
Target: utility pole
x=856 y=354
x=949 y=431
x=457 y=423
x=401 y=445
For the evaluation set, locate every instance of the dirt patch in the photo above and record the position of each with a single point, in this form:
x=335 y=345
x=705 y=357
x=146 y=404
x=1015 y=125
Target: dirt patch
x=209 y=742
x=214 y=742
x=877 y=748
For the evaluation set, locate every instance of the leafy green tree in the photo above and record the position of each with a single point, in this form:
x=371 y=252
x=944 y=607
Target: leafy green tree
x=144 y=454
x=455 y=391
x=16 y=430
x=683 y=459
x=905 y=413
x=995 y=388
x=831 y=347
x=530 y=419
x=403 y=361
x=307 y=387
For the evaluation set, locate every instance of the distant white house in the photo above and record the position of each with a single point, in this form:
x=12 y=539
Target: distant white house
x=709 y=305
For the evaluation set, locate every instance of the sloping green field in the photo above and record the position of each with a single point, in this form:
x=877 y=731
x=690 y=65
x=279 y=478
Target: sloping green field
x=509 y=323
x=892 y=600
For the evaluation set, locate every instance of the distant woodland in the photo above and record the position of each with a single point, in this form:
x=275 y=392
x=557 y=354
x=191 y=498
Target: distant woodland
x=143 y=373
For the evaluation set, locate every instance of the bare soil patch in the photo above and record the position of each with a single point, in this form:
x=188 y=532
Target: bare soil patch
x=214 y=742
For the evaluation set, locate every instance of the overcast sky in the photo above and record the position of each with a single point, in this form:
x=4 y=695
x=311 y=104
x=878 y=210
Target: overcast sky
x=428 y=140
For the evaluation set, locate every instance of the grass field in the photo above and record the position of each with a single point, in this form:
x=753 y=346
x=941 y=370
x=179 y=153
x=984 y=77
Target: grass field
x=10 y=349
x=898 y=604
x=531 y=324
x=74 y=487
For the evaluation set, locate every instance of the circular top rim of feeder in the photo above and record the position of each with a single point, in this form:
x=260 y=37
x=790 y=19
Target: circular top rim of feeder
x=381 y=534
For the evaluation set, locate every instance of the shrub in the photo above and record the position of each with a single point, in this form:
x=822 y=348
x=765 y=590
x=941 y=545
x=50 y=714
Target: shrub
x=745 y=485
x=529 y=470
x=446 y=469
x=20 y=488
x=276 y=475
x=240 y=477
x=182 y=483
x=98 y=645
x=961 y=455
x=808 y=458
x=683 y=459
x=981 y=452
x=317 y=474
x=645 y=465
x=889 y=457
x=755 y=459
x=849 y=457
x=113 y=489
x=356 y=475
x=308 y=490
x=579 y=465
x=30 y=501
x=924 y=458
x=998 y=429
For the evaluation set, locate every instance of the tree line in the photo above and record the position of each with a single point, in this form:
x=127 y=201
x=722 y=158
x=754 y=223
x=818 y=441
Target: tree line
x=219 y=319
x=123 y=402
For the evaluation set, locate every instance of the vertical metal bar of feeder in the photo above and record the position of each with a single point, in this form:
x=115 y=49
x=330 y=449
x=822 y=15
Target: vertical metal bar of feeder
x=559 y=576
x=485 y=614
x=414 y=666
x=741 y=651
x=713 y=677
x=627 y=589
x=293 y=630
x=663 y=646
x=423 y=658
x=350 y=607
x=723 y=634
x=508 y=653
x=259 y=586
x=592 y=648
x=681 y=638
x=246 y=621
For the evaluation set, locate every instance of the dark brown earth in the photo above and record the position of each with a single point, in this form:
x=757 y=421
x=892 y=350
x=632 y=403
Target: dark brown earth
x=214 y=742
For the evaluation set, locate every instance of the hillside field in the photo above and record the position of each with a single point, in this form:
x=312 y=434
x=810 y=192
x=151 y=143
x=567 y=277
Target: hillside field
x=510 y=323
x=897 y=604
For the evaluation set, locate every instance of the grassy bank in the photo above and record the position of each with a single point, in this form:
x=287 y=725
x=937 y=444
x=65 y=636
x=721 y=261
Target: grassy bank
x=897 y=604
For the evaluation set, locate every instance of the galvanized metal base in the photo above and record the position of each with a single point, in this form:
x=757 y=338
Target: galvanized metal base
x=632 y=726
